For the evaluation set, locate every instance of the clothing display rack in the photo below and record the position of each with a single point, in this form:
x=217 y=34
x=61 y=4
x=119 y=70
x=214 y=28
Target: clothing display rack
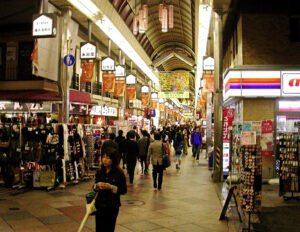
x=288 y=152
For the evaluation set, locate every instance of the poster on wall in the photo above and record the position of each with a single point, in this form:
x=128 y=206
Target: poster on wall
x=247 y=126
x=237 y=128
x=119 y=88
x=249 y=138
x=267 y=138
x=88 y=72
x=256 y=126
x=130 y=93
x=108 y=80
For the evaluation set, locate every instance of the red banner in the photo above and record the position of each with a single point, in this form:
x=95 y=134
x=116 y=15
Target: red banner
x=145 y=99
x=119 y=88
x=88 y=72
x=209 y=85
x=228 y=117
x=267 y=138
x=108 y=80
x=130 y=93
x=154 y=104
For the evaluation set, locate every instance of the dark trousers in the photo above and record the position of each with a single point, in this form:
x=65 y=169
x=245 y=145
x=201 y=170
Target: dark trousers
x=130 y=170
x=158 y=169
x=196 y=151
x=123 y=157
x=144 y=164
x=106 y=219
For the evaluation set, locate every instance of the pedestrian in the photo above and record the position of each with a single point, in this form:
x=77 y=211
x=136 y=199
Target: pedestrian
x=120 y=140
x=168 y=148
x=178 y=146
x=196 y=141
x=144 y=143
x=110 y=143
x=111 y=183
x=155 y=155
x=132 y=154
x=185 y=142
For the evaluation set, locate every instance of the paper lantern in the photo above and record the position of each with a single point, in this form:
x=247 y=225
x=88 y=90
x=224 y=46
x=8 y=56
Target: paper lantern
x=171 y=16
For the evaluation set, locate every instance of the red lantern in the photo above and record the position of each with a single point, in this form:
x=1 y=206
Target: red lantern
x=171 y=16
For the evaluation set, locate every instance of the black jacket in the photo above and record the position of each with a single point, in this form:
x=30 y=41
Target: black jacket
x=120 y=140
x=106 y=198
x=132 y=151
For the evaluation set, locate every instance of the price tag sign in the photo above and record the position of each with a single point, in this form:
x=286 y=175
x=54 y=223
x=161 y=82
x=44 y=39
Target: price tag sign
x=44 y=25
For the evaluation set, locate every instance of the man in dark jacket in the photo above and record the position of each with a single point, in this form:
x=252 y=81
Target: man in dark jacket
x=120 y=140
x=144 y=143
x=132 y=154
x=196 y=141
x=110 y=144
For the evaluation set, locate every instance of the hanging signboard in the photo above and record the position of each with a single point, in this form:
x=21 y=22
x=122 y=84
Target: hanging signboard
x=130 y=93
x=209 y=85
x=88 y=51
x=154 y=104
x=108 y=64
x=161 y=107
x=209 y=64
x=108 y=80
x=120 y=71
x=44 y=25
x=145 y=99
x=173 y=95
x=119 y=88
x=228 y=117
x=88 y=72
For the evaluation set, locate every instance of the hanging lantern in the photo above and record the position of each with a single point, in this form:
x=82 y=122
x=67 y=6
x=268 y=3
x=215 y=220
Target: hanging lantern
x=145 y=11
x=171 y=16
x=160 y=10
x=164 y=23
x=135 y=25
x=141 y=22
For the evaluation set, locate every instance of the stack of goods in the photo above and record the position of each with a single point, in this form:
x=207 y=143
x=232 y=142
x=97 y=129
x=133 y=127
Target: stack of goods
x=289 y=162
x=251 y=178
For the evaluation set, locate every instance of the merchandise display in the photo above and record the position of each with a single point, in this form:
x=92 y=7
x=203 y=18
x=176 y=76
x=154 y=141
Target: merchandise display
x=288 y=153
x=251 y=178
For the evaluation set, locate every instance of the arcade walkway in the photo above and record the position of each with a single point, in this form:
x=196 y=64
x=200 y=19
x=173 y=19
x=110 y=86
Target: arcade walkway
x=188 y=202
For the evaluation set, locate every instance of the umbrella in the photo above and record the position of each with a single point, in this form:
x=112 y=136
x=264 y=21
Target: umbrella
x=90 y=208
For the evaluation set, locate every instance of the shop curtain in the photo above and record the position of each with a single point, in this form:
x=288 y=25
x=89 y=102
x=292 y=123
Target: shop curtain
x=119 y=88
x=108 y=80
x=88 y=72
x=145 y=99
x=161 y=107
x=130 y=92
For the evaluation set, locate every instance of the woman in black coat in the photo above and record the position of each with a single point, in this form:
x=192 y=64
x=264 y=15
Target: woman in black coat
x=111 y=183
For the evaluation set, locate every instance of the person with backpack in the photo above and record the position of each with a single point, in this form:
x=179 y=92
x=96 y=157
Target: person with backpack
x=178 y=146
x=144 y=143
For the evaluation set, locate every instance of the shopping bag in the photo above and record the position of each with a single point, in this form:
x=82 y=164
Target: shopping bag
x=47 y=176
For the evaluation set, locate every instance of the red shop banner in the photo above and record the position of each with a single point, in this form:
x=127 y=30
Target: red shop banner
x=145 y=99
x=267 y=138
x=88 y=72
x=119 y=88
x=108 y=80
x=154 y=104
x=130 y=93
x=228 y=118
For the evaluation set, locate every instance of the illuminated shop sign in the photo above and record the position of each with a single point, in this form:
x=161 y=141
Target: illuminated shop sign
x=25 y=107
x=289 y=106
x=104 y=111
x=290 y=83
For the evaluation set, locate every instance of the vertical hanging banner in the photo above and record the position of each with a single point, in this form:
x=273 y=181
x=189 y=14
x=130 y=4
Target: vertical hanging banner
x=108 y=80
x=208 y=79
x=267 y=138
x=145 y=99
x=228 y=117
x=161 y=107
x=119 y=88
x=88 y=72
x=154 y=104
x=130 y=93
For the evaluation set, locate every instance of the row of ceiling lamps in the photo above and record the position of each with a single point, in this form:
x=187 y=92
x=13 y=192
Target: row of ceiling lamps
x=165 y=16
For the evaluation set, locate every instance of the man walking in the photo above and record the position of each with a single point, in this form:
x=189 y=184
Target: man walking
x=144 y=143
x=196 y=141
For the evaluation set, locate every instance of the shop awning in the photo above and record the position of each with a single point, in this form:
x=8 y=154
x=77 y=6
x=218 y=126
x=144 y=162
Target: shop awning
x=80 y=97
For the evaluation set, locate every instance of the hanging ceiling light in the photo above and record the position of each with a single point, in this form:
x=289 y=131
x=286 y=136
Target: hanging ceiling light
x=171 y=16
x=160 y=10
x=164 y=23
x=135 y=25
x=142 y=28
x=145 y=11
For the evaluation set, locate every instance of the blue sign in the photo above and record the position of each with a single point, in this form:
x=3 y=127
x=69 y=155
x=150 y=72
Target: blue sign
x=69 y=60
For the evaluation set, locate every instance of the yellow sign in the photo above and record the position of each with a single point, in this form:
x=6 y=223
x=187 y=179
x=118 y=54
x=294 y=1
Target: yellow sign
x=174 y=81
x=173 y=94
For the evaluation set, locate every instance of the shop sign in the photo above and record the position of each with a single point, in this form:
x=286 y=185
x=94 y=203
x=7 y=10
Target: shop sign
x=44 y=25
x=289 y=106
x=267 y=138
x=25 y=107
x=209 y=64
x=130 y=80
x=96 y=110
x=120 y=71
x=108 y=64
x=226 y=150
x=109 y=111
x=291 y=84
x=228 y=117
x=173 y=95
x=88 y=51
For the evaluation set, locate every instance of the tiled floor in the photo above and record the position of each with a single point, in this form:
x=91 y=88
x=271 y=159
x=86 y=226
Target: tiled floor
x=187 y=202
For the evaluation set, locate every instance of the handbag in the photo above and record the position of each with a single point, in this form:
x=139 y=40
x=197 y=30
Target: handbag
x=47 y=176
x=166 y=160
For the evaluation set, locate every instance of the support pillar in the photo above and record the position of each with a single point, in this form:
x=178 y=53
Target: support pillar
x=218 y=97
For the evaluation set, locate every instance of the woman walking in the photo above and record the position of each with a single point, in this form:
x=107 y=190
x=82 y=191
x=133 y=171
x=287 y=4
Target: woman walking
x=111 y=183
x=155 y=154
